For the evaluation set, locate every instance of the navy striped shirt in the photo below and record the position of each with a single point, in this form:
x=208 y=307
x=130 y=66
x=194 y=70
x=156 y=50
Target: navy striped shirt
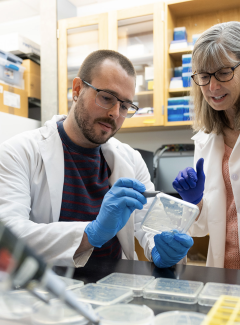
x=86 y=176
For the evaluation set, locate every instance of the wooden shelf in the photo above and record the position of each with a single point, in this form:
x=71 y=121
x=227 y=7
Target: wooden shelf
x=179 y=90
x=177 y=54
x=179 y=123
x=147 y=92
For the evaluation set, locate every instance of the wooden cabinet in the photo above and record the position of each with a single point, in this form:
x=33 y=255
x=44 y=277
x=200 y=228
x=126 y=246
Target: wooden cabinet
x=196 y=16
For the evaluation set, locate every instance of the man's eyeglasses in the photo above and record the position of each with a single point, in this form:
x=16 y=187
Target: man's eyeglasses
x=107 y=100
x=223 y=75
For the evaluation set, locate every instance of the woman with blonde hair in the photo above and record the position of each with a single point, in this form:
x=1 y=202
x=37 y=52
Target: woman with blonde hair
x=215 y=186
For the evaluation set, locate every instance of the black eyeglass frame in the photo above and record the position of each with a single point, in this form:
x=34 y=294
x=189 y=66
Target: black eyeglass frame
x=121 y=101
x=214 y=74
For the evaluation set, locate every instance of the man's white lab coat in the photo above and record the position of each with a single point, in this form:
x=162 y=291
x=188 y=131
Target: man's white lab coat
x=31 y=184
x=212 y=219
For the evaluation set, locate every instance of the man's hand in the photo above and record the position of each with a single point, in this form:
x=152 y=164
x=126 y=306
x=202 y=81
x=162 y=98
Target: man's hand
x=118 y=204
x=170 y=248
x=190 y=184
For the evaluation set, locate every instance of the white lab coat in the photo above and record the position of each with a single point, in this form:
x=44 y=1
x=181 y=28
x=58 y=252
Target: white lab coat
x=31 y=184
x=212 y=219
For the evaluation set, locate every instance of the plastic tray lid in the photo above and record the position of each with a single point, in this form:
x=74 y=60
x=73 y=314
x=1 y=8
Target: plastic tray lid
x=182 y=291
x=57 y=313
x=168 y=213
x=125 y=315
x=179 y=318
x=212 y=291
x=132 y=281
x=102 y=295
x=71 y=283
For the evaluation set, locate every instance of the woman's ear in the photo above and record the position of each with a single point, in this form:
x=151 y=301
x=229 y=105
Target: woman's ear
x=76 y=87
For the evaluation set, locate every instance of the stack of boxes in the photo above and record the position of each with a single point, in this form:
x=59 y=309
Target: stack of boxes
x=179 y=109
x=179 y=38
x=13 y=97
x=186 y=69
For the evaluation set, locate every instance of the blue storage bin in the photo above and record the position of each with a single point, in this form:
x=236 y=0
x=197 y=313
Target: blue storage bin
x=175 y=113
x=186 y=116
x=186 y=100
x=186 y=58
x=178 y=71
x=187 y=67
x=176 y=101
x=186 y=77
x=179 y=33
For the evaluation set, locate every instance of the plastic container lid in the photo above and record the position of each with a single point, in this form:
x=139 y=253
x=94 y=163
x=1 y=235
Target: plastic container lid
x=179 y=318
x=168 y=213
x=212 y=291
x=57 y=313
x=125 y=314
x=131 y=281
x=102 y=295
x=182 y=291
x=70 y=284
x=16 y=305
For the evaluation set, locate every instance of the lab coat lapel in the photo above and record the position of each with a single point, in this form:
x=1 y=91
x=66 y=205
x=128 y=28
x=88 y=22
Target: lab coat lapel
x=120 y=166
x=52 y=154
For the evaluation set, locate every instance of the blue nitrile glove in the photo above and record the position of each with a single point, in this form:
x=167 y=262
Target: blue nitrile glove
x=170 y=248
x=118 y=204
x=190 y=184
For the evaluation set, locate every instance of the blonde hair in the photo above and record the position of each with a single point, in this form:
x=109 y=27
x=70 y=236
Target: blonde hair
x=211 y=51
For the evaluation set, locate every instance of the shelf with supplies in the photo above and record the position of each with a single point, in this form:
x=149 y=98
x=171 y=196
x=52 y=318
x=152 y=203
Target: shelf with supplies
x=178 y=91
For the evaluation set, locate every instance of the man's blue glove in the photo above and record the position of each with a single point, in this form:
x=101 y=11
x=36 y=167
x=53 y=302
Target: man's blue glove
x=170 y=248
x=118 y=204
x=190 y=184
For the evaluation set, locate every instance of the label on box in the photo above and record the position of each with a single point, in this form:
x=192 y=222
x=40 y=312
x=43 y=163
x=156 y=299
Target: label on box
x=11 y=99
x=8 y=73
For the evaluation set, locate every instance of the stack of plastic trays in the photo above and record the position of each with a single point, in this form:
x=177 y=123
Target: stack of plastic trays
x=103 y=295
x=179 y=318
x=57 y=313
x=212 y=291
x=175 y=109
x=135 y=282
x=168 y=213
x=226 y=310
x=70 y=285
x=187 y=69
x=123 y=314
x=173 y=290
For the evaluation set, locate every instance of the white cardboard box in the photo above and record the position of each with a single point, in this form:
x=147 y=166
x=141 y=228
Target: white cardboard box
x=18 y=44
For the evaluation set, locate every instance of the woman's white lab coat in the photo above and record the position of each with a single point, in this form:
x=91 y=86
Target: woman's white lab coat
x=212 y=219
x=31 y=182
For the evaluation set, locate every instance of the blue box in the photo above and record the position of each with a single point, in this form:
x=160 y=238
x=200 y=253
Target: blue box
x=179 y=33
x=178 y=71
x=187 y=67
x=186 y=58
x=187 y=80
x=176 y=101
x=186 y=100
x=175 y=113
x=186 y=116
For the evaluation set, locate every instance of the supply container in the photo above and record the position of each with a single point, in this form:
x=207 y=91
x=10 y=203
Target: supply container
x=178 y=71
x=56 y=313
x=179 y=318
x=134 y=282
x=186 y=77
x=186 y=100
x=176 y=82
x=181 y=291
x=179 y=33
x=176 y=45
x=186 y=58
x=173 y=101
x=168 y=213
x=103 y=295
x=212 y=292
x=187 y=67
x=175 y=113
x=11 y=73
x=123 y=314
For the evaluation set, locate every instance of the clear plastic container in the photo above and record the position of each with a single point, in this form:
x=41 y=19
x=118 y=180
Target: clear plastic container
x=125 y=315
x=57 y=313
x=212 y=291
x=134 y=282
x=102 y=295
x=168 y=213
x=70 y=285
x=179 y=318
x=11 y=73
x=181 y=291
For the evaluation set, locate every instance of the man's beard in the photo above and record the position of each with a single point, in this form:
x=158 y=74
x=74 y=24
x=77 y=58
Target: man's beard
x=82 y=118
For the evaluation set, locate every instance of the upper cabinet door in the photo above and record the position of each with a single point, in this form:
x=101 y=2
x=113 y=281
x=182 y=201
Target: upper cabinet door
x=138 y=33
x=78 y=37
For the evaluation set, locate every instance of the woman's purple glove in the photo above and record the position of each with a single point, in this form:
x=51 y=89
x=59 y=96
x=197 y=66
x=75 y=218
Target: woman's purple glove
x=190 y=184
x=170 y=248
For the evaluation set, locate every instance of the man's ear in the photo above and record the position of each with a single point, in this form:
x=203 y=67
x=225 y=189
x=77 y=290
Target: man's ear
x=76 y=88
